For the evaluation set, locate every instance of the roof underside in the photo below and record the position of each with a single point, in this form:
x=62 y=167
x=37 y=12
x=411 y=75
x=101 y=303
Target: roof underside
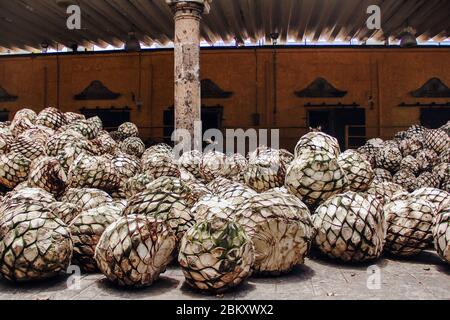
x=26 y=24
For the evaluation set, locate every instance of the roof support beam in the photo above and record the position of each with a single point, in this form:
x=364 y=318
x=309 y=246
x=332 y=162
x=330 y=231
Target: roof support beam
x=187 y=93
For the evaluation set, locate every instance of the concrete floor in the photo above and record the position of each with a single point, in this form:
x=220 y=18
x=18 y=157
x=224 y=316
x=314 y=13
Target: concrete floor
x=423 y=277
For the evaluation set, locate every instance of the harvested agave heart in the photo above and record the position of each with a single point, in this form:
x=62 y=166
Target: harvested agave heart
x=406 y=179
x=381 y=175
x=137 y=184
x=21 y=125
x=410 y=146
x=38 y=134
x=370 y=149
x=163 y=205
x=219 y=184
x=198 y=189
x=133 y=146
x=410 y=163
x=350 y=227
x=24 y=113
x=134 y=250
x=436 y=140
x=70 y=153
x=30 y=149
x=358 y=171
x=389 y=158
x=426 y=158
x=236 y=194
x=48 y=174
x=318 y=141
x=160 y=165
x=93 y=172
x=103 y=144
x=60 y=141
x=86 y=230
x=128 y=130
x=161 y=149
x=190 y=162
x=428 y=180
x=126 y=166
x=280 y=228
x=14 y=168
x=265 y=171
x=444 y=157
x=65 y=211
x=286 y=157
x=89 y=129
x=5 y=143
x=212 y=165
x=86 y=198
x=314 y=177
x=385 y=190
x=52 y=118
x=442 y=171
x=175 y=186
x=210 y=207
x=260 y=151
x=234 y=166
x=446 y=128
x=441 y=234
x=415 y=130
x=410 y=226
x=34 y=243
x=33 y=194
x=439 y=198
x=216 y=255
x=73 y=117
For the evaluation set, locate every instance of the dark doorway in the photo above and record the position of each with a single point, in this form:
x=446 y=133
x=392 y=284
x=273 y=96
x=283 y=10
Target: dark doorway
x=335 y=121
x=112 y=118
x=4 y=116
x=211 y=119
x=434 y=118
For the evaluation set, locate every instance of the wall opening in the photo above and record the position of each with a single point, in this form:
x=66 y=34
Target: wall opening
x=347 y=125
x=433 y=118
x=212 y=117
x=112 y=118
x=4 y=115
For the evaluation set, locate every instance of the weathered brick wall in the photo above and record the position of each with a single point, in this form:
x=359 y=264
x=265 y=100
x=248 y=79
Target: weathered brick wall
x=388 y=75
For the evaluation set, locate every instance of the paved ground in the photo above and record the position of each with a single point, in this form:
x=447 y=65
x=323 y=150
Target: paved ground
x=424 y=277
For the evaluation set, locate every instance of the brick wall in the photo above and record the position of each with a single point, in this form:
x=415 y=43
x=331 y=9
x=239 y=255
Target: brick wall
x=386 y=74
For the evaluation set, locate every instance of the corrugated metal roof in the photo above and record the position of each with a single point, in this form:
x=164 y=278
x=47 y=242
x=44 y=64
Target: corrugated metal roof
x=25 y=24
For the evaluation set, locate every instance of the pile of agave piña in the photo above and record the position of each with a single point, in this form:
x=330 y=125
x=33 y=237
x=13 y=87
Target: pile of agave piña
x=74 y=194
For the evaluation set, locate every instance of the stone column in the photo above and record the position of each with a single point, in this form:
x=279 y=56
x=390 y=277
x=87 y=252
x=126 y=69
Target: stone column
x=188 y=15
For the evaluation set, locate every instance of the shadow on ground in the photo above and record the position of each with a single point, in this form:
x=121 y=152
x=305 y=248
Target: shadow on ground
x=32 y=285
x=162 y=286
x=188 y=291
x=298 y=274
x=444 y=268
x=324 y=260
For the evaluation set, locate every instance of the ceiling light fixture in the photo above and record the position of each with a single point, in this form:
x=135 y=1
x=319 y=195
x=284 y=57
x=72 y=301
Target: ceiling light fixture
x=408 y=38
x=132 y=44
x=74 y=47
x=274 y=36
x=239 y=42
x=44 y=46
